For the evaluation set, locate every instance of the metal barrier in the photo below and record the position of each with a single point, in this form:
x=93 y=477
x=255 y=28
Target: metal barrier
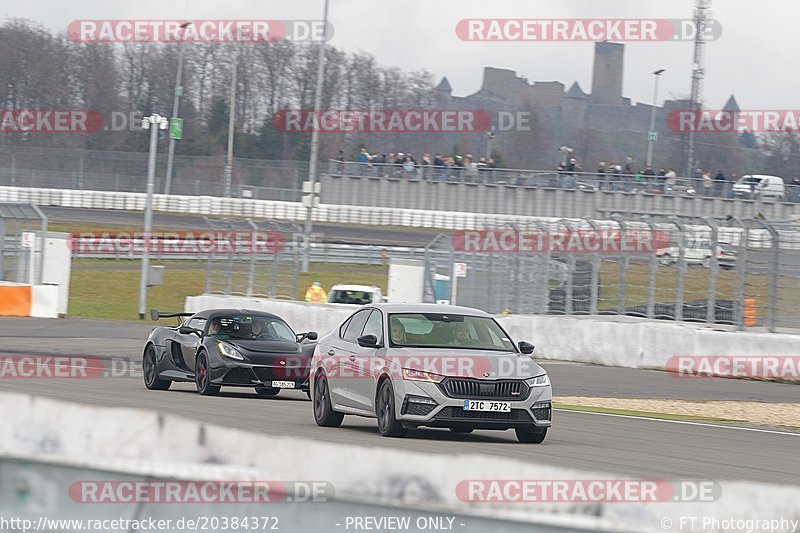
x=17 y=219
x=742 y=272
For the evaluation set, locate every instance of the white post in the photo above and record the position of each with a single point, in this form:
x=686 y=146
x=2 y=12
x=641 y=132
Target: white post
x=154 y=125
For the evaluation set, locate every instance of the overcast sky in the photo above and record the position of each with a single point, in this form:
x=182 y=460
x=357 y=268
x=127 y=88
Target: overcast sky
x=754 y=59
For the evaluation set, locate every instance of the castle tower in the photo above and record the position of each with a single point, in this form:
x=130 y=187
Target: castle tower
x=607 y=78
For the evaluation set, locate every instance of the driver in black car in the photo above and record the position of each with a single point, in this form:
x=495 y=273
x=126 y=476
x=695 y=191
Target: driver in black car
x=257 y=331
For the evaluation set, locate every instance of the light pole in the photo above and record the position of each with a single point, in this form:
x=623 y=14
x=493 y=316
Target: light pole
x=651 y=136
x=312 y=163
x=154 y=123
x=231 y=121
x=176 y=98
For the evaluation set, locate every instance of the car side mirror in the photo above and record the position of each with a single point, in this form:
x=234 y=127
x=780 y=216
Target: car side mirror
x=311 y=335
x=526 y=347
x=368 y=341
x=188 y=330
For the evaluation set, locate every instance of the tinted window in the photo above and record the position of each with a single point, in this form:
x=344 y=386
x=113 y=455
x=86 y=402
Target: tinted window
x=343 y=328
x=356 y=325
x=197 y=323
x=375 y=326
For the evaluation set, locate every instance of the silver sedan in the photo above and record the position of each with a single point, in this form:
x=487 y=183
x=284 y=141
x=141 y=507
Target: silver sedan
x=411 y=365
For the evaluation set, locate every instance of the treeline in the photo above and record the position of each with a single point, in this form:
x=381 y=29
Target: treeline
x=42 y=69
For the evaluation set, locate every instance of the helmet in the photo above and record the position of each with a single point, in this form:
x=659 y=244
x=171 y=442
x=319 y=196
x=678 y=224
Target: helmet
x=317 y=284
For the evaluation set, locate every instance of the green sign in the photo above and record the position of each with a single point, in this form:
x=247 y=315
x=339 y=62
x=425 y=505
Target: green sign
x=176 y=128
x=652 y=136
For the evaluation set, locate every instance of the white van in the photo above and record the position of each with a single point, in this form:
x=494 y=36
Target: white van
x=355 y=295
x=755 y=186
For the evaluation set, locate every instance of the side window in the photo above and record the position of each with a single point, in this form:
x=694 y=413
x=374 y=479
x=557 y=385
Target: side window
x=375 y=325
x=197 y=323
x=356 y=325
x=343 y=327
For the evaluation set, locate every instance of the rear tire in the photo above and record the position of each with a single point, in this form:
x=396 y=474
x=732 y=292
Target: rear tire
x=266 y=392
x=150 y=371
x=530 y=434
x=202 y=377
x=388 y=425
x=324 y=414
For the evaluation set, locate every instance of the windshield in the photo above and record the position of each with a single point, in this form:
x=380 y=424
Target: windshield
x=350 y=297
x=434 y=330
x=246 y=327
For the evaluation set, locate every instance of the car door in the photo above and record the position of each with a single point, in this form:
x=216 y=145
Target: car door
x=190 y=343
x=367 y=361
x=343 y=388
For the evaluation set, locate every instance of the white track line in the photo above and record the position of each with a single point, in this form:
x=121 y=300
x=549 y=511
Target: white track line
x=686 y=422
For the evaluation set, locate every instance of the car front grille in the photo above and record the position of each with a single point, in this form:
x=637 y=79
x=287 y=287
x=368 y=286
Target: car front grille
x=475 y=388
x=268 y=374
x=459 y=414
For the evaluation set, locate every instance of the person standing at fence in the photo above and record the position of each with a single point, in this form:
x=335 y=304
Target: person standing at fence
x=315 y=293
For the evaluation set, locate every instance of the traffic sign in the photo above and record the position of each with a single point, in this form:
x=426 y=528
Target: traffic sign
x=176 y=128
x=460 y=270
x=652 y=136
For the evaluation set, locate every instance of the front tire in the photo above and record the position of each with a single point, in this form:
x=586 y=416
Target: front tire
x=324 y=414
x=388 y=425
x=530 y=434
x=202 y=377
x=150 y=371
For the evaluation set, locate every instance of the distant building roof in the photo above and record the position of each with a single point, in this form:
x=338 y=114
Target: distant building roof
x=732 y=105
x=444 y=85
x=576 y=92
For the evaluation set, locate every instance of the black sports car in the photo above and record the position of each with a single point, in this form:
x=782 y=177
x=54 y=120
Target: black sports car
x=228 y=347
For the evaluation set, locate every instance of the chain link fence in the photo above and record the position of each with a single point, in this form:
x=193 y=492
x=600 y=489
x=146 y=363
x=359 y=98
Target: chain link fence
x=21 y=260
x=744 y=273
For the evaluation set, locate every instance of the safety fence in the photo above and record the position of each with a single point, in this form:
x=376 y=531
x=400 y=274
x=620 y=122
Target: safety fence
x=743 y=272
x=470 y=188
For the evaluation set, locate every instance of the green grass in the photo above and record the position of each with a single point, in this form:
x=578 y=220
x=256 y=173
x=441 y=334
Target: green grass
x=114 y=294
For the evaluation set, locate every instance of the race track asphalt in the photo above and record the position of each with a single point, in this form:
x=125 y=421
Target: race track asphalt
x=595 y=442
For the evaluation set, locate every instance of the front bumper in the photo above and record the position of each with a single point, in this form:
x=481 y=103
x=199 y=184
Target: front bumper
x=231 y=374
x=425 y=404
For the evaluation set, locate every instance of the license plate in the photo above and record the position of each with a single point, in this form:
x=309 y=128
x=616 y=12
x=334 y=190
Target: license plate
x=283 y=384
x=481 y=405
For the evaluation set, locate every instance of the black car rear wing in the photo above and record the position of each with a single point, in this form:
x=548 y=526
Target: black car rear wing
x=155 y=315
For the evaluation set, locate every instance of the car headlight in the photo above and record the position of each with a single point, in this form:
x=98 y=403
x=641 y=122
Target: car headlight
x=418 y=375
x=538 y=381
x=226 y=350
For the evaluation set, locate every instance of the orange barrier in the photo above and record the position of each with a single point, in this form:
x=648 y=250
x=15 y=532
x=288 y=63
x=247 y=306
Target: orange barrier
x=750 y=312
x=15 y=300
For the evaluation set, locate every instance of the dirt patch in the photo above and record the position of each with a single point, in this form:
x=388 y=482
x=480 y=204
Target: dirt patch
x=775 y=414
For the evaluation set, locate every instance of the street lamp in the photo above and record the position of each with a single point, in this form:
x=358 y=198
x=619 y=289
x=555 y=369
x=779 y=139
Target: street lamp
x=312 y=163
x=231 y=123
x=651 y=136
x=176 y=98
x=154 y=123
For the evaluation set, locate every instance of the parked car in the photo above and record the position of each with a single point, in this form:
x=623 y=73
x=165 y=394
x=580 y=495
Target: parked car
x=411 y=365
x=355 y=294
x=698 y=251
x=755 y=186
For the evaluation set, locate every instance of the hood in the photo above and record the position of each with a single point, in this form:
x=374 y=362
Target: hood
x=465 y=363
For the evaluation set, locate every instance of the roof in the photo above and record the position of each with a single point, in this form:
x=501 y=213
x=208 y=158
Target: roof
x=732 y=105
x=444 y=85
x=428 y=308
x=365 y=288
x=213 y=313
x=576 y=92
